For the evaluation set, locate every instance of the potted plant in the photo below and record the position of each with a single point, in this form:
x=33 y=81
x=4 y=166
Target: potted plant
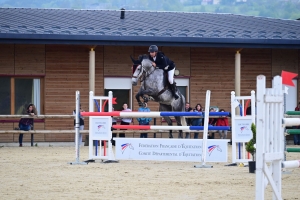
x=250 y=147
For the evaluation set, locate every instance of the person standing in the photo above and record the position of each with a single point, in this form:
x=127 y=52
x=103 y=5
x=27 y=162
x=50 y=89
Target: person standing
x=81 y=123
x=125 y=121
x=212 y=122
x=188 y=120
x=197 y=121
x=26 y=124
x=222 y=121
x=144 y=121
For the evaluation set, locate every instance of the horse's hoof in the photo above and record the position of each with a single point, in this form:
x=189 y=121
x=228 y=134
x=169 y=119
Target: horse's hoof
x=145 y=99
x=151 y=99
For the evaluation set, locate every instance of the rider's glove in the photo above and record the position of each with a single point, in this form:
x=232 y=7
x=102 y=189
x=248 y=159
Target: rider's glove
x=166 y=67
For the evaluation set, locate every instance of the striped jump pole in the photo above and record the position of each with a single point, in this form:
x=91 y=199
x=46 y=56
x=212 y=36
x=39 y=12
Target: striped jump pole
x=152 y=114
x=291 y=164
x=146 y=127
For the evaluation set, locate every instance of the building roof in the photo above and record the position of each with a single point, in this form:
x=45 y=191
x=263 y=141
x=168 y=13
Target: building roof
x=105 y=27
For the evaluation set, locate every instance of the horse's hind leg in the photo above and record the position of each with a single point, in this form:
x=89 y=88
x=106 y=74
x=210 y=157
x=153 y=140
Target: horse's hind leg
x=178 y=120
x=163 y=107
x=169 y=122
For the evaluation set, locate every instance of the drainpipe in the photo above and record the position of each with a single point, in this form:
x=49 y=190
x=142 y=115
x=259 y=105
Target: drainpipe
x=92 y=71
x=237 y=80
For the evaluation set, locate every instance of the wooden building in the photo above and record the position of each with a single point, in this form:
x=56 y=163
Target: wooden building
x=44 y=57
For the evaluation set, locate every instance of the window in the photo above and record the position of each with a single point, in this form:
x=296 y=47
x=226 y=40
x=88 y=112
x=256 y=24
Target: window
x=183 y=86
x=17 y=93
x=122 y=97
x=5 y=96
x=121 y=88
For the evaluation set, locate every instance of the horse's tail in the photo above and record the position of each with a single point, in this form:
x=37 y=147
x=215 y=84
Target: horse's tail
x=182 y=102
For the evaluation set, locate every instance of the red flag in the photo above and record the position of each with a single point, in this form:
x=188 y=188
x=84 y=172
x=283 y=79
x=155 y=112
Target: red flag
x=114 y=100
x=287 y=78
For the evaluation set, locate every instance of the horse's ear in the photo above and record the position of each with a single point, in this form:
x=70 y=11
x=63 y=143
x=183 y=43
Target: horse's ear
x=136 y=62
x=132 y=59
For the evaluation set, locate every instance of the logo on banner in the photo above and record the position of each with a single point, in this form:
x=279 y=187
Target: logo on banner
x=100 y=127
x=243 y=128
x=124 y=147
x=212 y=148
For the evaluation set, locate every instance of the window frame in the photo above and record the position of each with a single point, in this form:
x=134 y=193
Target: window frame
x=13 y=91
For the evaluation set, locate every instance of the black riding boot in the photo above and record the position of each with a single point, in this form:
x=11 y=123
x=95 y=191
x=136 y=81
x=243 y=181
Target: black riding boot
x=174 y=91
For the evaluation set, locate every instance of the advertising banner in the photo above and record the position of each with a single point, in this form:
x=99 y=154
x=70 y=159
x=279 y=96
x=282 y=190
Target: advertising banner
x=100 y=128
x=243 y=131
x=170 y=149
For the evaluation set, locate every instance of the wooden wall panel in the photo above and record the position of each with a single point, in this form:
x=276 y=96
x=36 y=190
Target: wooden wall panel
x=212 y=69
x=284 y=59
x=67 y=70
x=117 y=61
x=253 y=63
x=29 y=59
x=181 y=57
x=7 y=61
x=7 y=137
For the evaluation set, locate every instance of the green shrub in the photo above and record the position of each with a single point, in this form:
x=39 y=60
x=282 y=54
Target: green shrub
x=250 y=145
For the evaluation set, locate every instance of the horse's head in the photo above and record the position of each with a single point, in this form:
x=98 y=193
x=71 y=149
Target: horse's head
x=144 y=65
x=136 y=75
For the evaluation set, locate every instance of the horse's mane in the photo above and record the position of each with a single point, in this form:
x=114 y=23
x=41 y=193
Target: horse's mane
x=146 y=62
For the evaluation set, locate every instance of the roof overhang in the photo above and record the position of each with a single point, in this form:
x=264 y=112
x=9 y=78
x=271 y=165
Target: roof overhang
x=147 y=40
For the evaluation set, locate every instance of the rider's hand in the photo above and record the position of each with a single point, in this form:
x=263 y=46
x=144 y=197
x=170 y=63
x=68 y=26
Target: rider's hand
x=166 y=67
x=154 y=64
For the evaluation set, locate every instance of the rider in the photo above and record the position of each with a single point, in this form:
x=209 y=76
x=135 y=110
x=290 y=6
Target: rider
x=161 y=61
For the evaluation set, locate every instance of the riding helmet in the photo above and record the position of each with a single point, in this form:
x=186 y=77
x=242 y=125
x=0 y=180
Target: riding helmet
x=153 y=48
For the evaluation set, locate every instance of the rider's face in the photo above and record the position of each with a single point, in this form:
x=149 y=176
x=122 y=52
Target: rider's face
x=152 y=54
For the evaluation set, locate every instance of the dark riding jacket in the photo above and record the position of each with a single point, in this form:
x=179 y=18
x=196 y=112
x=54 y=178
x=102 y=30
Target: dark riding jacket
x=162 y=61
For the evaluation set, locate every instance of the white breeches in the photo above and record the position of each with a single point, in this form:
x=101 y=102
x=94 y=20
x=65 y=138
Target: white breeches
x=171 y=76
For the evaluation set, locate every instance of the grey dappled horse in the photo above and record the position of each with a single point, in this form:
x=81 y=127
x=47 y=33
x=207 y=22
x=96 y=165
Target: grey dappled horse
x=153 y=84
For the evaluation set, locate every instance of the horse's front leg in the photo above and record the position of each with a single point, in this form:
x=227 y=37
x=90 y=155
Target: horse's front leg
x=141 y=94
x=169 y=122
x=138 y=96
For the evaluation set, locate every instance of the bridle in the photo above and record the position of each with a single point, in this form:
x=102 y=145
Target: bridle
x=143 y=74
x=141 y=71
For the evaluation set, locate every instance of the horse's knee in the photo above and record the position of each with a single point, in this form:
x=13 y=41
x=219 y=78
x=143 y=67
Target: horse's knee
x=137 y=96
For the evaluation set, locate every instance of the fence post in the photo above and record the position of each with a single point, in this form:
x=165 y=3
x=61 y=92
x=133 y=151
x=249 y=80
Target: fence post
x=31 y=138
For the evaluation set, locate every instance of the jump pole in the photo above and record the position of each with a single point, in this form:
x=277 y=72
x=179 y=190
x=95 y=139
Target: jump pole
x=151 y=114
x=204 y=141
x=77 y=132
x=291 y=164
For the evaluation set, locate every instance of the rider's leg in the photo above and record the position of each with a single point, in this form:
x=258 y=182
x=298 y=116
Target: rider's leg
x=171 y=81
